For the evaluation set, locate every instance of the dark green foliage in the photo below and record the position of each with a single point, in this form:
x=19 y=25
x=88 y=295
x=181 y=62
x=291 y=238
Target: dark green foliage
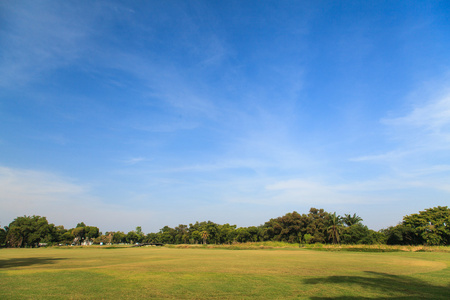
x=132 y=237
x=2 y=237
x=334 y=228
x=360 y=234
x=292 y=227
x=66 y=238
x=119 y=237
x=431 y=226
x=317 y=225
x=428 y=227
x=92 y=232
x=80 y=225
x=29 y=231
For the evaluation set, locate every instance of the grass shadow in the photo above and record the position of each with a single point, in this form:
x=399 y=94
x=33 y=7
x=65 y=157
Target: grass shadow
x=25 y=262
x=393 y=286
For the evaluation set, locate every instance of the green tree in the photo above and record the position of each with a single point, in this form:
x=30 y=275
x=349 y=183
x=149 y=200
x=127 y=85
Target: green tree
x=334 y=228
x=431 y=226
x=29 y=231
x=167 y=235
x=80 y=234
x=2 y=237
x=316 y=226
x=350 y=220
x=139 y=232
x=243 y=235
x=80 y=225
x=226 y=233
x=119 y=237
x=132 y=237
x=151 y=238
x=91 y=232
x=204 y=236
x=67 y=238
x=182 y=234
x=359 y=234
x=288 y=228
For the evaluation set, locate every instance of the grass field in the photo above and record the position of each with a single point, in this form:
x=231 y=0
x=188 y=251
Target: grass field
x=199 y=273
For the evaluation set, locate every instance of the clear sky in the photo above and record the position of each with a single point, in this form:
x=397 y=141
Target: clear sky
x=152 y=113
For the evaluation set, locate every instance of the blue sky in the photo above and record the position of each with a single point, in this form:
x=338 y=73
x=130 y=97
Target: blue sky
x=152 y=113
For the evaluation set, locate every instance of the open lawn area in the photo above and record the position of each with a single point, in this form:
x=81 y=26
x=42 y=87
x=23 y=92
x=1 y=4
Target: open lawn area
x=196 y=273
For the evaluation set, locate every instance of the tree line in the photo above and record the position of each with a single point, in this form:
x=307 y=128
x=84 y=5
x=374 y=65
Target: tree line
x=428 y=227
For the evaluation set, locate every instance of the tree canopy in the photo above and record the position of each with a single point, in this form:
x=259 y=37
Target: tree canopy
x=428 y=227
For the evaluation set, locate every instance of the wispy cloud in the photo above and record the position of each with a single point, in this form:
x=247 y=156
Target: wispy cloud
x=421 y=132
x=41 y=37
x=134 y=160
x=62 y=201
x=385 y=157
x=432 y=117
x=24 y=191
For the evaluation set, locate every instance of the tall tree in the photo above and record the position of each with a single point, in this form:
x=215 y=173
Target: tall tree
x=317 y=220
x=204 y=236
x=334 y=228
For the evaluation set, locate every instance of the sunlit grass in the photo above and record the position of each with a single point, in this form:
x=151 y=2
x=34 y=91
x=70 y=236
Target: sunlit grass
x=201 y=272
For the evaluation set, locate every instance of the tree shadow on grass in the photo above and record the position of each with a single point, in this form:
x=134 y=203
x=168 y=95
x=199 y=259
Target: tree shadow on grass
x=28 y=261
x=393 y=286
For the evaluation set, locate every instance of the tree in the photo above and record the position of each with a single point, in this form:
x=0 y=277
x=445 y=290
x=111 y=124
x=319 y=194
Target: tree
x=356 y=234
x=2 y=237
x=67 y=238
x=119 y=237
x=350 y=220
x=431 y=226
x=80 y=225
x=29 y=231
x=243 y=235
x=226 y=233
x=288 y=228
x=132 y=237
x=182 y=235
x=79 y=234
x=91 y=232
x=167 y=235
x=139 y=231
x=151 y=238
x=317 y=221
x=398 y=235
x=204 y=236
x=334 y=228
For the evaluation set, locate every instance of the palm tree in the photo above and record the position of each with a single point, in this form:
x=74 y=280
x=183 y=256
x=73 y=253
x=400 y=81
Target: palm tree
x=335 y=227
x=351 y=220
x=204 y=236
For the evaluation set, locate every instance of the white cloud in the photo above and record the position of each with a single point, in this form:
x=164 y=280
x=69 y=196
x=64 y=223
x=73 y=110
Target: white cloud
x=63 y=202
x=421 y=133
x=33 y=187
x=433 y=117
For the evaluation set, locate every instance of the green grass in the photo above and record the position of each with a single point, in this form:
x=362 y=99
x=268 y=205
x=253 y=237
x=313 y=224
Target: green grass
x=201 y=272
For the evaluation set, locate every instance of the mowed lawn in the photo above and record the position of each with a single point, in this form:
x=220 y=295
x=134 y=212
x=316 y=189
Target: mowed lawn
x=83 y=273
